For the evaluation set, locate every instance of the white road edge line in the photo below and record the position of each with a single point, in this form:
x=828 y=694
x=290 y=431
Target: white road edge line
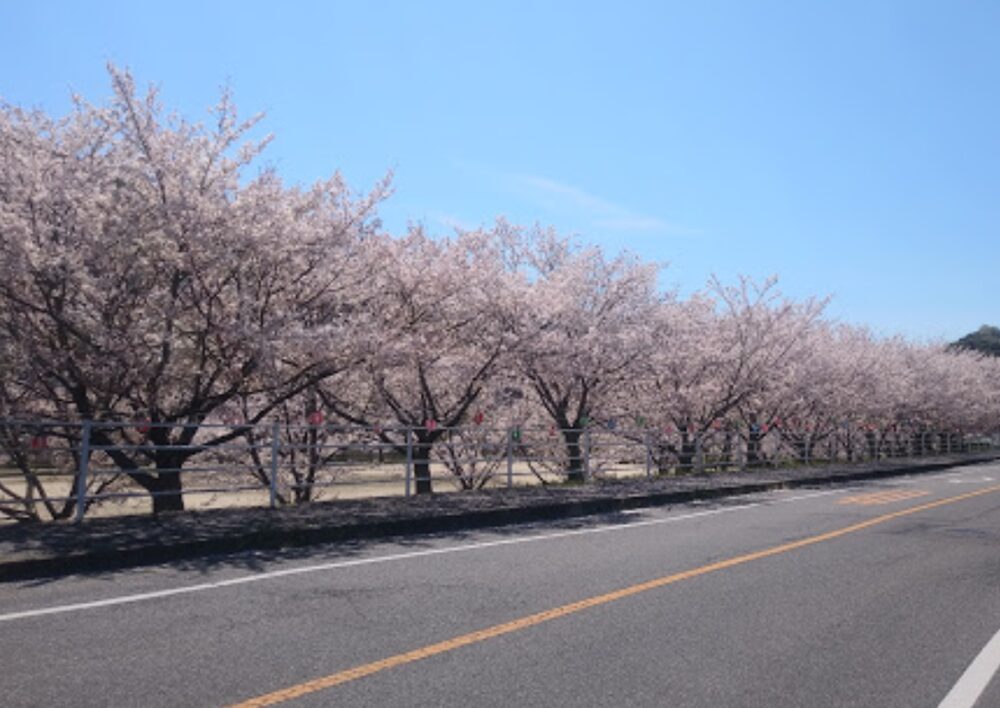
x=335 y=565
x=976 y=678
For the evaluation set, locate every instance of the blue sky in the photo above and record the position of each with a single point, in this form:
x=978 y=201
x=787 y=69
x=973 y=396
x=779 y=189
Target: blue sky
x=851 y=148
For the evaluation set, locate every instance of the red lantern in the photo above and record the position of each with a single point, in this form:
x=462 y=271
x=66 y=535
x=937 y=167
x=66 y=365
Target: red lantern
x=39 y=442
x=144 y=426
x=430 y=424
x=316 y=418
x=478 y=418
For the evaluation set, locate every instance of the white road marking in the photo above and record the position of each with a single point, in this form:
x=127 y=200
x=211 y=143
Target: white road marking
x=976 y=678
x=336 y=565
x=947 y=476
x=970 y=481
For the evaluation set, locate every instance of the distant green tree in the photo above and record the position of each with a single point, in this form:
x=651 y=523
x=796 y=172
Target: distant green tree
x=986 y=339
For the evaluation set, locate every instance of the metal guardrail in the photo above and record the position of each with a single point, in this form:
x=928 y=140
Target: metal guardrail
x=60 y=470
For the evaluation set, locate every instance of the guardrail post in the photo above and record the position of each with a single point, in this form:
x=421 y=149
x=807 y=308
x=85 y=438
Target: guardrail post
x=649 y=455
x=699 y=454
x=83 y=467
x=409 y=461
x=510 y=458
x=586 y=455
x=275 y=452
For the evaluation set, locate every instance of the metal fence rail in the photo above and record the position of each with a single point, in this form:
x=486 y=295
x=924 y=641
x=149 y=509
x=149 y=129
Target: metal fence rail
x=62 y=470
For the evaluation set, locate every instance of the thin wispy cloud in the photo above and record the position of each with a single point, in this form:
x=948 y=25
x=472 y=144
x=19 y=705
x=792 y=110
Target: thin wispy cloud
x=599 y=212
x=551 y=190
x=638 y=223
x=453 y=222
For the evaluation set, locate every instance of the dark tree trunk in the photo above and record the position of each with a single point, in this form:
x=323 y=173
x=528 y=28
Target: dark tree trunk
x=753 y=446
x=872 y=441
x=422 y=466
x=167 y=487
x=165 y=490
x=803 y=448
x=687 y=453
x=164 y=487
x=663 y=458
x=314 y=463
x=902 y=445
x=726 y=460
x=574 y=453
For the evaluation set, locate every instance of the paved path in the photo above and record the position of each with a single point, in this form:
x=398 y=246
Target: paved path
x=881 y=593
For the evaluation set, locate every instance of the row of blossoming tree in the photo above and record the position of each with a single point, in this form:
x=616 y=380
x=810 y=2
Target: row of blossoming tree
x=148 y=276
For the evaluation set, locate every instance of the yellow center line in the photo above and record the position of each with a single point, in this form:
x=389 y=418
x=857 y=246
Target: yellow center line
x=532 y=620
x=885 y=497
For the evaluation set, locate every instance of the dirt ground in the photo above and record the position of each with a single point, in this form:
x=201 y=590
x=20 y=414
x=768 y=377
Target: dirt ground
x=227 y=489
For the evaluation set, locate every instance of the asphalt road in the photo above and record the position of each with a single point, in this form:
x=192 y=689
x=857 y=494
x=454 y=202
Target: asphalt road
x=882 y=594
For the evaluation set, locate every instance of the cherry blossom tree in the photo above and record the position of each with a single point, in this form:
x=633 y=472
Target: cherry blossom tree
x=442 y=324
x=150 y=283
x=584 y=332
x=717 y=351
x=146 y=277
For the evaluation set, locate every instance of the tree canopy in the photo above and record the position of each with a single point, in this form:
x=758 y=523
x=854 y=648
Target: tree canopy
x=149 y=273
x=985 y=340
